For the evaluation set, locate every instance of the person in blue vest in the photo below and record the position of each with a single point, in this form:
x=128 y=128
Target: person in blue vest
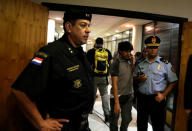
x=55 y=91
x=156 y=78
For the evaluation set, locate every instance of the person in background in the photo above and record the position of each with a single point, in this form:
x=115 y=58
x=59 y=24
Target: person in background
x=122 y=87
x=142 y=57
x=100 y=60
x=188 y=94
x=55 y=91
x=137 y=57
x=156 y=78
x=115 y=55
x=143 y=54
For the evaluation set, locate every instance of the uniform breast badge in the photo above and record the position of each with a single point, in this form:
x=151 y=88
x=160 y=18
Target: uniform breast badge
x=159 y=67
x=77 y=83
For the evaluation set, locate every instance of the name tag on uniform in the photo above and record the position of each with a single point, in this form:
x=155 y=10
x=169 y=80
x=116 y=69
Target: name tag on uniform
x=73 y=68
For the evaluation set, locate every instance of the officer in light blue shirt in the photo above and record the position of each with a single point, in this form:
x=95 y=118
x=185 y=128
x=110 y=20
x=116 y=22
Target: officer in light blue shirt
x=155 y=78
x=159 y=74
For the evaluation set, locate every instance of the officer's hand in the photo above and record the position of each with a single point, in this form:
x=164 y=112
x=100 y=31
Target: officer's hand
x=117 y=108
x=159 y=97
x=52 y=124
x=142 y=77
x=188 y=111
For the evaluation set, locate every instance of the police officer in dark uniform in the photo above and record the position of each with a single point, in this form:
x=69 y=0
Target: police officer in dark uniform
x=155 y=78
x=55 y=91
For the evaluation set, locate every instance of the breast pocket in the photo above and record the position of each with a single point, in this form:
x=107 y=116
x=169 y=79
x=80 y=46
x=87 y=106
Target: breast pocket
x=158 y=75
x=74 y=77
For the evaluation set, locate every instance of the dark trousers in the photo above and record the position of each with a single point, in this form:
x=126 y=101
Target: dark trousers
x=148 y=106
x=126 y=106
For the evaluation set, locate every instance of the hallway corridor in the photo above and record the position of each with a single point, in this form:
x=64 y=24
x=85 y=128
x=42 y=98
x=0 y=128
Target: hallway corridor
x=96 y=120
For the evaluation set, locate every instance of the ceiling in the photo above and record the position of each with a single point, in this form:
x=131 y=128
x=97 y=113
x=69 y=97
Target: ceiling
x=101 y=25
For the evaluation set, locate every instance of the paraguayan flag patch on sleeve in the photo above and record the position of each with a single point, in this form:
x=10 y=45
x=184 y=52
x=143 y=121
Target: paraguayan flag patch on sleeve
x=37 y=61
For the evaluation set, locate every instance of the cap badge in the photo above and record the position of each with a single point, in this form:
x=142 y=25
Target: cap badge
x=153 y=40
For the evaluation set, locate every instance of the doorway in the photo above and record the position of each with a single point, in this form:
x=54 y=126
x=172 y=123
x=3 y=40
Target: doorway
x=110 y=42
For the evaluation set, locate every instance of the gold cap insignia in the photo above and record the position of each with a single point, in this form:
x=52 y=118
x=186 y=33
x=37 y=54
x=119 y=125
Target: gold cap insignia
x=77 y=83
x=153 y=40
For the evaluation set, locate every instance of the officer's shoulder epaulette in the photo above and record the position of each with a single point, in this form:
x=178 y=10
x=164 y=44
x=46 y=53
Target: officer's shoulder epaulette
x=41 y=54
x=164 y=60
x=47 y=50
x=141 y=60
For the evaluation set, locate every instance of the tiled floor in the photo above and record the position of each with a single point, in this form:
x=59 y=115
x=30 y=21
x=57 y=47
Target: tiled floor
x=96 y=120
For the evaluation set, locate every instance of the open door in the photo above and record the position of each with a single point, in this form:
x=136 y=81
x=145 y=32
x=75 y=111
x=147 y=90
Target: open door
x=23 y=30
x=186 y=50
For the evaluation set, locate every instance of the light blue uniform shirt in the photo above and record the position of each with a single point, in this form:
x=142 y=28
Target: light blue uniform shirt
x=159 y=74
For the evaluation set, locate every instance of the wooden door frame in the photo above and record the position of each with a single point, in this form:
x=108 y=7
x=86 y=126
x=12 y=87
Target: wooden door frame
x=132 y=14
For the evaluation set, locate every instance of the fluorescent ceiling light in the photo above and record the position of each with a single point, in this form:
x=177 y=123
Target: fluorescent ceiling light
x=58 y=18
x=126 y=32
x=117 y=35
x=113 y=38
x=128 y=25
x=148 y=28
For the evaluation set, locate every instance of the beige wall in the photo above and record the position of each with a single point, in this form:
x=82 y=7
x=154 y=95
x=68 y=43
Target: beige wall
x=89 y=46
x=180 y=8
